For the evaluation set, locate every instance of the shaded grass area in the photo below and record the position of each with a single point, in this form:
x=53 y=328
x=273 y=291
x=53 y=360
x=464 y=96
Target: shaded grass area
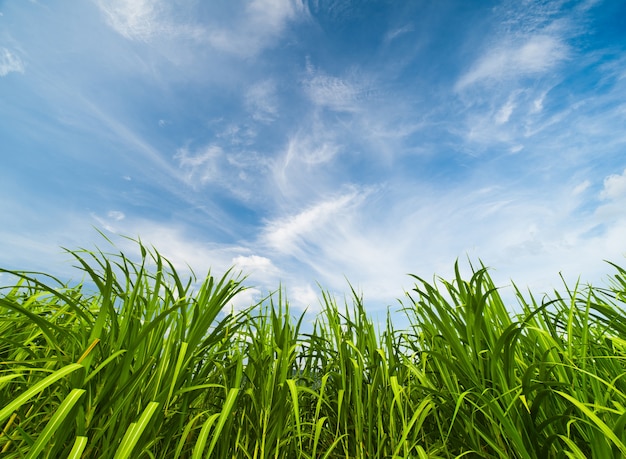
x=145 y=366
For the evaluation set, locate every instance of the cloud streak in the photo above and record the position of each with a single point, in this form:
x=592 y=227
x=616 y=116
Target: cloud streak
x=537 y=54
x=146 y=20
x=614 y=186
x=9 y=62
x=289 y=235
x=257 y=27
x=336 y=93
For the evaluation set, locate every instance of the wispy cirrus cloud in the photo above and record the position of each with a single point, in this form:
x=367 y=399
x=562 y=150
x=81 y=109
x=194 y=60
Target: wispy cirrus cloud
x=534 y=55
x=110 y=221
x=9 y=62
x=510 y=93
x=343 y=94
x=288 y=235
x=375 y=239
x=397 y=32
x=133 y=19
x=259 y=25
x=254 y=25
x=310 y=148
x=261 y=101
x=226 y=164
x=200 y=166
x=145 y=20
x=303 y=171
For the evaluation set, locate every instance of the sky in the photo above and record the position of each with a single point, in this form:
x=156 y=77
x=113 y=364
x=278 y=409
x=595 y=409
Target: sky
x=314 y=143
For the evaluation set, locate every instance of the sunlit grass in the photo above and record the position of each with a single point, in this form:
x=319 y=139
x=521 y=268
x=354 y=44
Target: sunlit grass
x=139 y=362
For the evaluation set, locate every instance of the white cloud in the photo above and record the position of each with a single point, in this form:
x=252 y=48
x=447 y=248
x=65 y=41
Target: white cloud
x=259 y=26
x=581 y=188
x=237 y=135
x=302 y=172
x=9 y=62
x=243 y=300
x=133 y=19
x=229 y=163
x=261 y=101
x=614 y=186
x=311 y=149
x=537 y=105
x=305 y=296
x=510 y=89
x=505 y=112
x=375 y=242
x=272 y=14
x=395 y=33
x=116 y=215
x=145 y=20
x=484 y=128
x=262 y=269
x=340 y=94
x=202 y=166
x=107 y=223
x=288 y=235
x=535 y=55
x=376 y=239
x=253 y=263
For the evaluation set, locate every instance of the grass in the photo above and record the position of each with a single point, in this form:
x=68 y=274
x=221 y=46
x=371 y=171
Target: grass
x=138 y=362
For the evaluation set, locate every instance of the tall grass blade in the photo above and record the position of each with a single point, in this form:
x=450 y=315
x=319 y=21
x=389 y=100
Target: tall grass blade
x=77 y=449
x=134 y=432
x=25 y=396
x=55 y=422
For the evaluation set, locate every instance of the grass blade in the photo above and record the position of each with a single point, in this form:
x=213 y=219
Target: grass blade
x=6 y=411
x=57 y=419
x=134 y=432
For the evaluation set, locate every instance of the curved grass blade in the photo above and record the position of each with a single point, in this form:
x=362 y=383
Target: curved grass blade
x=226 y=412
x=134 y=432
x=79 y=446
x=36 y=388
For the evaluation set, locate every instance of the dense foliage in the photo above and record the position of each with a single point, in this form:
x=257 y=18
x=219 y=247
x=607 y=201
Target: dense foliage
x=146 y=365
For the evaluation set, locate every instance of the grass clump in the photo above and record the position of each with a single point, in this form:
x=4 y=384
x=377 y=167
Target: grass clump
x=148 y=365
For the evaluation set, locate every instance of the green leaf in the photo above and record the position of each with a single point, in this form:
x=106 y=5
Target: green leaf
x=79 y=446
x=37 y=388
x=57 y=419
x=134 y=431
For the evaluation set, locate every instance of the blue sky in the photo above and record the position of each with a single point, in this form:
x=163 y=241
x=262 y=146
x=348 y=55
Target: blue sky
x=316 y=141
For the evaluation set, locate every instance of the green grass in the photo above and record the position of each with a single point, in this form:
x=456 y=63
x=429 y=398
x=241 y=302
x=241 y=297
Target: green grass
x=138 y=362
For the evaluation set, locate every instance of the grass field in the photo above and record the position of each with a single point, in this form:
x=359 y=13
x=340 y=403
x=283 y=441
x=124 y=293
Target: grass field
x=139 y=363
